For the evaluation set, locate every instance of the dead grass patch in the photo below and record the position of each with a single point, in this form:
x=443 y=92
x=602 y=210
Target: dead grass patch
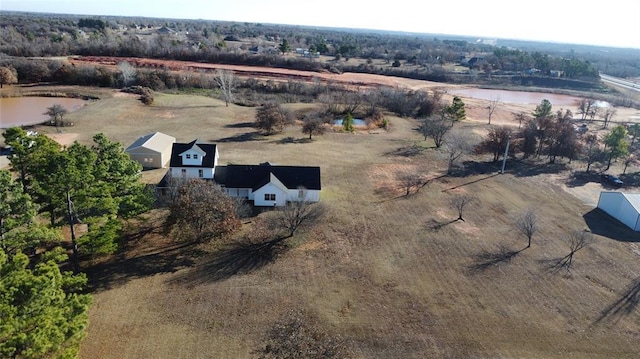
x=374 y=272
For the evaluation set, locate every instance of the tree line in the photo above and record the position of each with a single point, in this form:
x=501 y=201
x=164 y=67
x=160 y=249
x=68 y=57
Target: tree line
x=44 y=308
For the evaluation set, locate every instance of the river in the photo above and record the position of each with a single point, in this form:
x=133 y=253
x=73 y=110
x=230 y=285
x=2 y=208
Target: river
x=24 y=111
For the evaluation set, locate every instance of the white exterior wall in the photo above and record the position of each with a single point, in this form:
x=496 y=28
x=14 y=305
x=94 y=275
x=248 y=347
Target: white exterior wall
x=617 y=206
x=165 y=156
x=258 y=195
x=191 y=161
x=628 y=215
x=192 y=172
x=309 y=195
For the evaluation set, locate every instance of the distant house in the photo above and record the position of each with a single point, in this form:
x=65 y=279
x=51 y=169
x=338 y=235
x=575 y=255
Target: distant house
x=269 y=185
x=193 y=160
x=152 y=150
x=625 y=207
x=165 y=30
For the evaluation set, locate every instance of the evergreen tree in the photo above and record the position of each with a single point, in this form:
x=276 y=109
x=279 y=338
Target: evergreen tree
x=456 y=111
x=347 y=123
x=284 y=46
x=43 y=311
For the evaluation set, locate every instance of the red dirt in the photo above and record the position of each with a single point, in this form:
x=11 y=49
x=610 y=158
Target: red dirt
x=354 y=79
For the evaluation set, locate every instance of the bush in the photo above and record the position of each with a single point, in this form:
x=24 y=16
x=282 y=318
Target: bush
x=146 y=99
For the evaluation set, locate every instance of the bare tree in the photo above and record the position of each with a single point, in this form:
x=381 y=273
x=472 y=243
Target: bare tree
x=456 y=145
x=584 y=107
x=459 y=202
x=8 y=75
x=226 y=81
x=608 y=115
x=527 y=223
x=295 y=214
x=56 y=114
x=313 y=126
x=493 y=104
x=591 y=151
x=577 y=240
x=351 y=101
x=128 y=73
x=271 y=118
x=330 y=103
x=521 y=117
x=298 y=335
x=434 y=127
x=411 y=181
x=629 y=159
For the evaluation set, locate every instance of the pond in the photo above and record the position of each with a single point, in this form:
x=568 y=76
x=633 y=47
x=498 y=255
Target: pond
x=24 y=111
x=356 y=122
x=519 y=97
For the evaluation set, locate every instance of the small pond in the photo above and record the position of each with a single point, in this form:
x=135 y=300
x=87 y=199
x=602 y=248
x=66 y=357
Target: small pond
x=24 y=111
x=519 y=97
x=356 y=122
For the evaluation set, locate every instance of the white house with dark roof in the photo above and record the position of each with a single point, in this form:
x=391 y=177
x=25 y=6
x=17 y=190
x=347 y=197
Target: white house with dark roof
x=264 y=184
x=152 y=150
x=269 y=185
x=193 y=160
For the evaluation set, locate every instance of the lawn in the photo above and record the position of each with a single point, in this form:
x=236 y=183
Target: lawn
x=394 y=276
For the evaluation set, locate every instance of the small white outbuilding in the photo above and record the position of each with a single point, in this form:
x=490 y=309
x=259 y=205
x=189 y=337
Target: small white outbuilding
x=624 y=207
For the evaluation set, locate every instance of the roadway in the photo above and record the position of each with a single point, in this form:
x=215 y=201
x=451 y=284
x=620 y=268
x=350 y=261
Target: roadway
x=630 y=85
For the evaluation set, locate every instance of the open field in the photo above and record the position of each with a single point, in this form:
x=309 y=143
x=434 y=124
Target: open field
x=394 y=276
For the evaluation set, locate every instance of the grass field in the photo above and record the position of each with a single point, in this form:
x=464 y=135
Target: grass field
x=394 y=276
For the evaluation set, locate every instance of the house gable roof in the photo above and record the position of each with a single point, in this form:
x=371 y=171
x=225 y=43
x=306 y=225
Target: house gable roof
x=208 y=161
x=156 y=141
x=256 y=176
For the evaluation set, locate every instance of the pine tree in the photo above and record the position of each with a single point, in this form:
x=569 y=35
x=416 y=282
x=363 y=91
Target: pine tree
x=43 y=311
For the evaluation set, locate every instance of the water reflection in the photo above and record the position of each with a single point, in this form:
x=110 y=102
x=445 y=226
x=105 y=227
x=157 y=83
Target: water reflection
x=24 y=111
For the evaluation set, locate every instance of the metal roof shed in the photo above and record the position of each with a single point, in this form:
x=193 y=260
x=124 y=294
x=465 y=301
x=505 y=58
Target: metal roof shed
x=625 y=207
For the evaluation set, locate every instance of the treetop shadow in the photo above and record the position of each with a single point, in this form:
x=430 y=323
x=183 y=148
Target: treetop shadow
x=243 y=137
x=489 y=259
x=240 y=125
x=581 y=178
x=624 y=306
x=289 y=139
x=237 y=259
x=121 y=270
x=406 y=151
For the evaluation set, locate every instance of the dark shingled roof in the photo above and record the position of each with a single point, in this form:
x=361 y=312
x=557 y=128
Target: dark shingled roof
x=178 y=148
x=256 y=176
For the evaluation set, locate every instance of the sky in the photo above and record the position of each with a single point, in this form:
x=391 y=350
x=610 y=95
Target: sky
x=613 y=23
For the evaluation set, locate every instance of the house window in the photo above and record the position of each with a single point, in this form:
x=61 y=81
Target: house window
x=188 y=156
x=200 y=173
x=195 y=156
x=184 y=173
x=269 y=196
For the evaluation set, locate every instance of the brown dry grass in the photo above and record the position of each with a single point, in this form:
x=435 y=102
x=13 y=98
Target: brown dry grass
x=392 y=275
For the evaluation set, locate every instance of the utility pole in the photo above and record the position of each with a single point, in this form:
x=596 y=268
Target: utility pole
x=506 y=151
